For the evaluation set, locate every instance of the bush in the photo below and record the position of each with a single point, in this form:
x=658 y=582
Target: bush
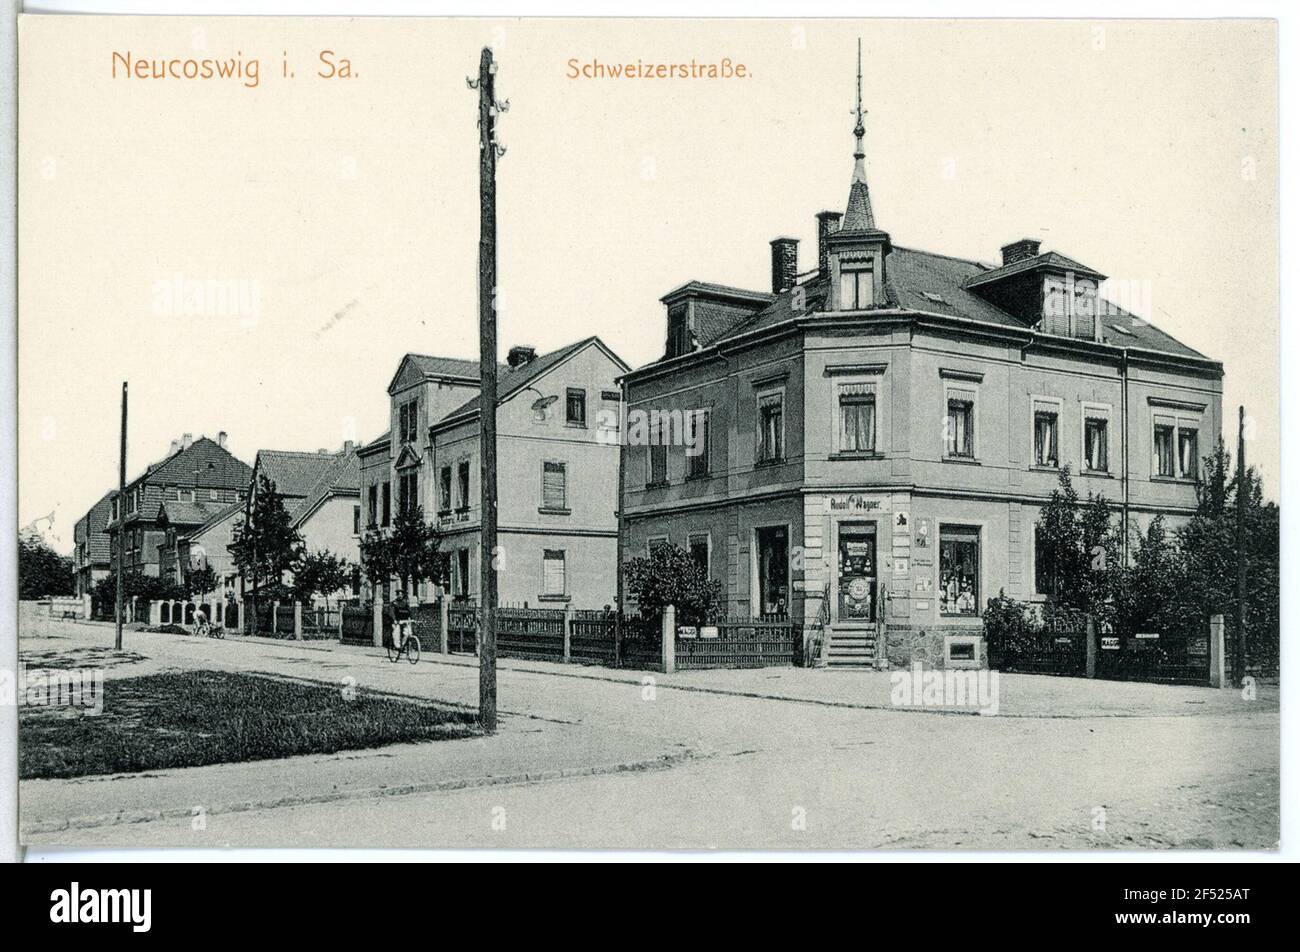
x=669 y=576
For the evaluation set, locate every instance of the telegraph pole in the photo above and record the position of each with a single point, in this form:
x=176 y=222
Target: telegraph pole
x=489 y=152
x=1239 y=649
x=121 y=521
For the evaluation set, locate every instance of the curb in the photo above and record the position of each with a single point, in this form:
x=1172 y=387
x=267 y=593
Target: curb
x=662 y=762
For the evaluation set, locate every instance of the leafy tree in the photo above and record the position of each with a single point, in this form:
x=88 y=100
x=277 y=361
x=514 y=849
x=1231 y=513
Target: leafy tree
x=199 y=582
x=135 y=584
x=669 y=576
x=1208 y=545
x=41 y=570
x=409 y=551
x=321 y=573
x=1078 y=549
x=266 y=544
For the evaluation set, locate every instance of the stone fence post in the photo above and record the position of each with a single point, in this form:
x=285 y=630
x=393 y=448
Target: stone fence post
x=568 y=631
x=297 y=620
x=669 y=641
x=1090 y=647
x=1218 y=674
x=443 y=620
x=378 y=620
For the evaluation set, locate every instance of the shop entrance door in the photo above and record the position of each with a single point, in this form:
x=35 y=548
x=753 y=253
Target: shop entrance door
x=857 y=573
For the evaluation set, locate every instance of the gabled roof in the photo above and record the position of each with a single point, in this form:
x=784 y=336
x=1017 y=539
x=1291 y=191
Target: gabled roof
x=203 y=465
x=218 y=517
x=294 y=472
x=91 y=529
x=439 y=368
x=514 y=379
x=186 y=514
x=343 y=478
x=1047 y=261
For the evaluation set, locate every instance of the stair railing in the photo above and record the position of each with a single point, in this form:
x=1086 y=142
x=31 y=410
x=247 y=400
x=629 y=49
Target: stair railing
x=819 y=641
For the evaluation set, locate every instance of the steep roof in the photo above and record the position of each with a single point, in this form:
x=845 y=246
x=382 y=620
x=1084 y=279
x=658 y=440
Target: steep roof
x=222 y=514
x=342 y=478
x=294 y=472
x=185 y=514
x=204 y=464
x=514 y=379
x=91 y=529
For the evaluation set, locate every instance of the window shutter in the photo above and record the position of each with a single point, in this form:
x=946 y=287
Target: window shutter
x=553 y=572
x=553 y=485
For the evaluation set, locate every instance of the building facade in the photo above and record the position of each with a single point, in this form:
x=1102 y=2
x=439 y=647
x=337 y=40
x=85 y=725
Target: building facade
x=198 y=473
x=92 y=555
x=558 y=471
x=882 y=431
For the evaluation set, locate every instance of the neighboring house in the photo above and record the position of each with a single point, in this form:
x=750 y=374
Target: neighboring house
x=185 y=538
x=557 y=477
x=883 y=430
x=92 y=557
x=321 y=493
x=201 y=472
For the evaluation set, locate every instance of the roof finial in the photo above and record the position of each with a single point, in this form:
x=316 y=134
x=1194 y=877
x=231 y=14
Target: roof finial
x=859 y=130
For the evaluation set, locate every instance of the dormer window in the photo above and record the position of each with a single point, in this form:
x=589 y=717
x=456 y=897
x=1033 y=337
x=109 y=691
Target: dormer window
x=679 y=337
x=857 y=288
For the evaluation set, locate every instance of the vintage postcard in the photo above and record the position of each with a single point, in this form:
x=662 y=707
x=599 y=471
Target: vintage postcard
x=650 y=434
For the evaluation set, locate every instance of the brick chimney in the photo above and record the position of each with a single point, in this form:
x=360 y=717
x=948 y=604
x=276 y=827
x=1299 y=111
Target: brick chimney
x=221 y=439
x=186 y=440
x=827 y=223
x=349 y=446
x=520 y=354
x=1021 y=250
x=785 y=263
x=175 y=445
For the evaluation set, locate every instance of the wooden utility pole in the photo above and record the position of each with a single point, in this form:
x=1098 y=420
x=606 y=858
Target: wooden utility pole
x=1239 y=648
x=121 y=522
x=487 y=289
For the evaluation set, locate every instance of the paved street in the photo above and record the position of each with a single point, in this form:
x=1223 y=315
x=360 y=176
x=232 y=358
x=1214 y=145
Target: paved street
x=780 y=758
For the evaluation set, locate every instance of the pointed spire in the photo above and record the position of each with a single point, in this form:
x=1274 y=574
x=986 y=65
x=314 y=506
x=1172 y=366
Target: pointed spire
x=859 y=216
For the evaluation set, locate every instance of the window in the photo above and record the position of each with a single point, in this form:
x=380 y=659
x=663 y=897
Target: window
x=408 y=490
x=857 y=418
x=1045 y=580
x=1046 y=428
x=372 y=506
x=697 y=446
x=658 y=458
x=960 y=427
x=185 y=495
x=553 y=572
x=610 y=410
x=959 y=570
x=388 y=503
x=1188 y=461
x=575 y=406
x=1096 y=456
x=444 y=489
x=462 y=573
x=655 y=542
x=856 y=289
x=698 y=546
x=356 y=520
x=1162 y=463
x=212 y=495
x=462 y=479
x=771 y=427
x=554 y=486
x=408 y=421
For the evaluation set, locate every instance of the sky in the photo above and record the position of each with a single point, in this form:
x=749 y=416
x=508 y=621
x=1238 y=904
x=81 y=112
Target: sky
x=343 y=210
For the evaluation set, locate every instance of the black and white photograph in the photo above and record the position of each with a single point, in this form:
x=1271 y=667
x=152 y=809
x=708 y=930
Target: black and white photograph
x=801 y=435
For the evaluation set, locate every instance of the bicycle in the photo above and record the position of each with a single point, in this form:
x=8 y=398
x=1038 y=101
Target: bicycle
x=206 y=629
x=408 y=643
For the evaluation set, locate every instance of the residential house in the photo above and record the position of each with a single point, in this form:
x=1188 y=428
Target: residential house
x=321 y=492
x=557 y=470
x=201 y=472
x=882 y=431
x=197 y=534
x=92 y=557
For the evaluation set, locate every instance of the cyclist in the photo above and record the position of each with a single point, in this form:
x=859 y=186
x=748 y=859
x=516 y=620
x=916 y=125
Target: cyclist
x=201 y=622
